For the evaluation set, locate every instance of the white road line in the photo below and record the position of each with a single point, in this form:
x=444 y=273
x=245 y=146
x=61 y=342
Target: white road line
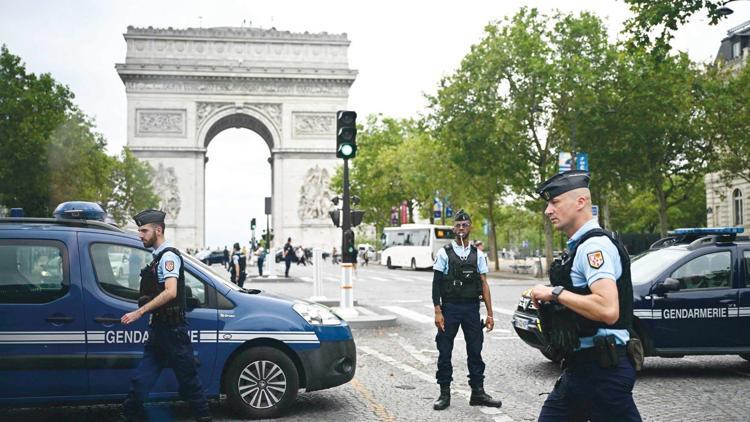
x=408 y=313
x=423 y=376
x=330 y=279
x=307 y=279
x=370 y=277
x=416 y=354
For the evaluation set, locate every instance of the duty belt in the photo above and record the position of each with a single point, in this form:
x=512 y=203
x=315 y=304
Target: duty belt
x=589 y=355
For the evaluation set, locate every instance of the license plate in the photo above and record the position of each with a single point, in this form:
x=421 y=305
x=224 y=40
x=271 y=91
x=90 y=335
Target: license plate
x=521 y=323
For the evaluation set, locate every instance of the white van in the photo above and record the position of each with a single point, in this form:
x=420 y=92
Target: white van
x=413 y=245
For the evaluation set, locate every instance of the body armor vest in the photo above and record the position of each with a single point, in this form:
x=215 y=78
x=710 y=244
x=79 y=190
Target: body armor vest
x=173 y=312
x=463 y=283
x=242 y=261
x=559 y=275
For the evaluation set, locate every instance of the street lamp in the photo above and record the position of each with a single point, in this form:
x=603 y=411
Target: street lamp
x=723 y=10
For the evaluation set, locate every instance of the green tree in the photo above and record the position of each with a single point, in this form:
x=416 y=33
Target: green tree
x=655 y=21
x=132 y=191
x=31 y=108
x=78 y=166
x=518 y=98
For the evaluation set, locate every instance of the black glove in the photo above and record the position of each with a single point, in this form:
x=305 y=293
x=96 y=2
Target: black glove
x=559 y=328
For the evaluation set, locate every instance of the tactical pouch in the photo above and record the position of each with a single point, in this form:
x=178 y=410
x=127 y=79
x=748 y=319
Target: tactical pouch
x=144 y=300
x=606 y=348
x=559 y=328
x=635 y=352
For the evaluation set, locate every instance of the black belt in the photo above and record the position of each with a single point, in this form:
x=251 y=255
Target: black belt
x=591 y=354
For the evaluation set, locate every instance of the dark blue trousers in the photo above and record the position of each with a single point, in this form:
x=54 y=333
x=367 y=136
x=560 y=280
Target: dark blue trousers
x=166 y=347
x=588 y=392
x=466 y=316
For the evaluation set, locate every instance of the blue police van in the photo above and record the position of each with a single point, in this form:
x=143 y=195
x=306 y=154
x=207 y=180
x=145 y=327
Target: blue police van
x=66 y=282
x=691 y=296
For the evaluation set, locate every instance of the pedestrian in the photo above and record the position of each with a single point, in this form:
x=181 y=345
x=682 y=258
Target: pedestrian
x=225 y=258
x=260 y=252
x=480 y=246
x=334 y=256
x=163 y=295
x=238 y=265
x=288 y=256
x=300 y=254
x=586 y=315
x=366 y=256
x=458 y=284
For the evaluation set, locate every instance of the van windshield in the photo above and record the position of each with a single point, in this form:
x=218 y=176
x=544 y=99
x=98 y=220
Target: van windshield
x=646 y=266
x=407 y=237
x=211 y=273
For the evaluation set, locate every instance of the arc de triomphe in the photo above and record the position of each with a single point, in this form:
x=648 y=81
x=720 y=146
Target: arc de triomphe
x=184 y=86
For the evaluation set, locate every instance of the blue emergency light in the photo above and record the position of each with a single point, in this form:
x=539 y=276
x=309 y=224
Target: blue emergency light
x=79 y=210
x=706 y=231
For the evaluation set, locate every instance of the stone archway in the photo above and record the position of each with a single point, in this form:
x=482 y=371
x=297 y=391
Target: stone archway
x=185 y=86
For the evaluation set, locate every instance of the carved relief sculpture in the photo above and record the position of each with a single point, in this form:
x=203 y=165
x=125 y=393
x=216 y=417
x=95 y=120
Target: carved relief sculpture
x=161 y=122
x=314 y=124
x=166 y=188
x=315 y=196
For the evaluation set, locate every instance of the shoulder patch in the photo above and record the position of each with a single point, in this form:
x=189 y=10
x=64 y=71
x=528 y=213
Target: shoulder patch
x=596 y=259
x=169 y=265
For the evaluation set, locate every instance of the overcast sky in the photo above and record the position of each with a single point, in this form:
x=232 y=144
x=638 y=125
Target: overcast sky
x=400 y=48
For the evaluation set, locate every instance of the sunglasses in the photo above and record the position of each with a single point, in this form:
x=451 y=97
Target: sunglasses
x=462 y=225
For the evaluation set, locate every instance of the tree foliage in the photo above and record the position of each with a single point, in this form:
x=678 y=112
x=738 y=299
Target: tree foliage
x=655 y=21
x=50 y=151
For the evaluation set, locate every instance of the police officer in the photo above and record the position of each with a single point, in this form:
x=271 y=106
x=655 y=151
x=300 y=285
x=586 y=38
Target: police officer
x=163 y=295
x=586 y=314
x=238 y=265
x=458 y=283
x=288 y=256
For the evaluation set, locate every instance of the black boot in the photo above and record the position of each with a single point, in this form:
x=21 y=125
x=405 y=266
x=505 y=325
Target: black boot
x=480 y=398
x=445 y=397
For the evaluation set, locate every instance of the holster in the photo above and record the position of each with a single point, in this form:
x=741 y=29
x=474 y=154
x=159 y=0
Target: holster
x=636 y=353
x=606 y=348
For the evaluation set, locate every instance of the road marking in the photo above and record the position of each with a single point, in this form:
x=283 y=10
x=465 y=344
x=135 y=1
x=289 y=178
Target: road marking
x=378 y=409
x=416 y=354
x=370 y=277
x=421 y=375
x=330 y=279
x=408 y=313
x=307 y=279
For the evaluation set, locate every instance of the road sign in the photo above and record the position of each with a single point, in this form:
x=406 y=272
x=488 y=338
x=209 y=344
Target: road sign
x=564 y=159
x=595 y=211
x=582 y=161
x=449 y=212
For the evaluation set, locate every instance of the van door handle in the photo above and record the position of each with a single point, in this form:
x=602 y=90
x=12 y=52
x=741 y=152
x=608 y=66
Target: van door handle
x=106 y=320
x=727 y=301
x=59 y=319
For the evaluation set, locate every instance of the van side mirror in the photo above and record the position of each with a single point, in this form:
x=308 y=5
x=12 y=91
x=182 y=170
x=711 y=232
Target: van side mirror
x=668 y=285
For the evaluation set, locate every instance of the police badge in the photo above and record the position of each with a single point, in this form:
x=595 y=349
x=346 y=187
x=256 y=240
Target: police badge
x=596 y=259
x=169 y=265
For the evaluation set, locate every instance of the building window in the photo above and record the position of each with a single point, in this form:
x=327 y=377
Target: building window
x=736 y=50
x=737 y=198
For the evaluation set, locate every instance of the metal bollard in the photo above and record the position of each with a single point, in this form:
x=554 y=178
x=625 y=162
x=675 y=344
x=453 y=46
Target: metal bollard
x=346 y=306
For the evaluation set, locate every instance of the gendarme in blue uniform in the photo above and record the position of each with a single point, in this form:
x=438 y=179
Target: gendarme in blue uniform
x=584 y=274
x=168 y=344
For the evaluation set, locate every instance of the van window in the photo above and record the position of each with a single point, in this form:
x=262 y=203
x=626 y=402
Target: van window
x=32 y=271
x=118 y=272
x=706 y=271
x=444 y=234
x=413 y=237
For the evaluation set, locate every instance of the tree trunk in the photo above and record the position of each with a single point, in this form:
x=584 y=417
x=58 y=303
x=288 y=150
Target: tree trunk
x=548 y=239
x=493 y=234
x=662 y=198
x=605 y=212
x=411 y=211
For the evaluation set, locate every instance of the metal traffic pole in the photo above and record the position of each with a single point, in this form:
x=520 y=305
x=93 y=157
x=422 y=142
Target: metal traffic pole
x=346 y=305
x=317 y=276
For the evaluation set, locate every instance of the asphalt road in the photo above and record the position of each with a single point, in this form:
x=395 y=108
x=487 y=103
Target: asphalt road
x=396 y=366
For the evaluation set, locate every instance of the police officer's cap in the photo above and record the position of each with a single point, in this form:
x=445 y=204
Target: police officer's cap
x=149 y=216
x=563 y=182
x=462 y=215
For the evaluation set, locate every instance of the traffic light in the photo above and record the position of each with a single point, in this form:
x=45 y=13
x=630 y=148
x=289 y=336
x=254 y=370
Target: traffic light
x=357 y=216
x=336 y=217
x=346 y=134
x=252 y=224
x=349 y=250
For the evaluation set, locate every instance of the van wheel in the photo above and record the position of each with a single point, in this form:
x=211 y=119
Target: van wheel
x=261 y=383
x=745 y=356
x=388 y=264
x=413 y=264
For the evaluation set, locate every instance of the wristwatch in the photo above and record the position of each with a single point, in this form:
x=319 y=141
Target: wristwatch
x=556 y=292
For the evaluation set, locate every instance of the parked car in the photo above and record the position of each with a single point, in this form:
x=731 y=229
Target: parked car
x=62 y=296
x=691 y=296
x=215 y=257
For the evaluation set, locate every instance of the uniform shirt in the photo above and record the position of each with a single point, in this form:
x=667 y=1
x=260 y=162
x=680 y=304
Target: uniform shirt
x=441 y=261
x=236 y=259
x=169 y=265
x=583 y=273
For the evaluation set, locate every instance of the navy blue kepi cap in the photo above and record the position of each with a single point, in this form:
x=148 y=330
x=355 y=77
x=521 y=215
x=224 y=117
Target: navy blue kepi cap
x=462 y=215
x=149 y=216
x=563 y=182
